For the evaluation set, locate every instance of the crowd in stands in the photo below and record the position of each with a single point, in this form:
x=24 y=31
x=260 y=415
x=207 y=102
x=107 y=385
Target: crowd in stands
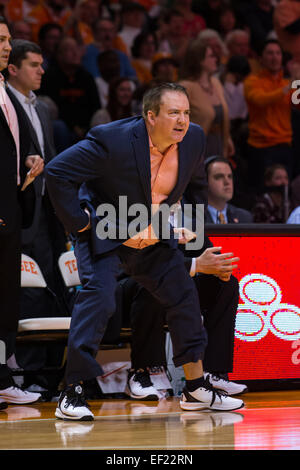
x=239 y=60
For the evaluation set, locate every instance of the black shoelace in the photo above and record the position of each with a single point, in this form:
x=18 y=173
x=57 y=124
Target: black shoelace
x=143 y=378
x=75 y=399
x=215 y=392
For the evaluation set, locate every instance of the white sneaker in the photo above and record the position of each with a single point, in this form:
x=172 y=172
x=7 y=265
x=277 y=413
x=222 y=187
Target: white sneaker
x=72 y=405
x=208 y=397
x=222 y=383
x=140 y=387
x=17 y=396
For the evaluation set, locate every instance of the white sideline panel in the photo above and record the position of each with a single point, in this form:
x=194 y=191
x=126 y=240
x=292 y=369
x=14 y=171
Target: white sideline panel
x=54 y=323
x=68 y=267
x=31 y=275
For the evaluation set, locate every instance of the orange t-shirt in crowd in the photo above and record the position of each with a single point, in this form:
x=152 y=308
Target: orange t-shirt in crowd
x=41 y=15
x=269 y=109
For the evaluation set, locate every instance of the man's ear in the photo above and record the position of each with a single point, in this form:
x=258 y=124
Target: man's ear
x=151 y=117
x=12 y=70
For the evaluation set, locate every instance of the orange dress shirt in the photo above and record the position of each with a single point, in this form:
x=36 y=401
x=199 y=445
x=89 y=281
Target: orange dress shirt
x=269 y=110
x=164 y=173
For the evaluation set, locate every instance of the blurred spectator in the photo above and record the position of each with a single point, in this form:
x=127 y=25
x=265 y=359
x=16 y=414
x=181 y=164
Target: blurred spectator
x=287 y=26
x=192 y=22
x=18 y=10
x=134 y=18
x=206 y=95
x=143 y=50
x=49 y=37
x=106 y=39
x=171 y=38
x=273 y=207
x=268 y=97
x=48 y=11
x=164 y=68
x=119 y=104
x=72 y=88
x=21 y=30
x=238 y=43
x=210 y=10
x=219 y=192
x=227 y=21
x=211 y=38
x=258 y=16
x=82 y=19
x=295 y=192
x=109 y=67
x=294 y=217
x=236 y=71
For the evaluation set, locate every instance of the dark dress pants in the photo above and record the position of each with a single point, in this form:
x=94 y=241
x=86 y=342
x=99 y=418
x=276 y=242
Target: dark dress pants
x=10 y=281
x=218 y=303
x=161 y=271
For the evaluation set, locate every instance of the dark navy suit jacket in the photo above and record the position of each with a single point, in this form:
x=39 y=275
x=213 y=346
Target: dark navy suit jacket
x=114 y=160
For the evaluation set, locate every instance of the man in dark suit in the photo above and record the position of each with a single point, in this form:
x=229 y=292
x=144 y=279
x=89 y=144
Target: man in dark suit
x=149 y=161
x=43 y=237
x=17 y=159
x=220 y=192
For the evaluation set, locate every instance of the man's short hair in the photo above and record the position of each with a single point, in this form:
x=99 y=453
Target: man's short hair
x=266 y=43
x=152 y=97
x=46 y=28
x=3 y=20
x=20 y=48
x=214 y=159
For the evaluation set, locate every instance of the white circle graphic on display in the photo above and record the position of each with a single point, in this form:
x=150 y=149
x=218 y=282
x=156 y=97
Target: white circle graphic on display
x=250 y=325
x=260 y=290
x=285 y=322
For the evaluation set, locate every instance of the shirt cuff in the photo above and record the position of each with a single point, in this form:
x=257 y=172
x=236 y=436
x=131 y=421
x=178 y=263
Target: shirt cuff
x=193 y=268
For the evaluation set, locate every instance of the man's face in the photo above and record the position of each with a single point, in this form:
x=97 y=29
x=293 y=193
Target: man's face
x=30 y=73
x=69 y=53
x=272 y=58
x=240 y=46
x=172 y=122
x=105 y=32
x=220 y=182
x=5 y=46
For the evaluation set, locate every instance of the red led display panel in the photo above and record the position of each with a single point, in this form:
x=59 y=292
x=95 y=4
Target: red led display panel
x=267 y=333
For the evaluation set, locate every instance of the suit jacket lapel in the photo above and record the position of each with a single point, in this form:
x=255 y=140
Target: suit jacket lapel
x=3 y=118
x=140 y=144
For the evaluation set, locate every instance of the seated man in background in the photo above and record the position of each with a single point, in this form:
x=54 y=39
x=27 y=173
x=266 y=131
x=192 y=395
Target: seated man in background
x=218 y=294
x=220 y=192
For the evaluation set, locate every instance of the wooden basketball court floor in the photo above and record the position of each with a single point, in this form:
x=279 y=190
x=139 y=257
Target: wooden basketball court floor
x=269 y=421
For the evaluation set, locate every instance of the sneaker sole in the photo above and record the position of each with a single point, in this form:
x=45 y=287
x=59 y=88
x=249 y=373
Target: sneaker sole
x=19 y=402
x=142 y=397
x=61 y=415
x=190 y=406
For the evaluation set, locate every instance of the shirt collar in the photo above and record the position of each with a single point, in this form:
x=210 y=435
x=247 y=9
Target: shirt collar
x=152 y=146
x=214 y=212
x=31 y=99
x=2 y=81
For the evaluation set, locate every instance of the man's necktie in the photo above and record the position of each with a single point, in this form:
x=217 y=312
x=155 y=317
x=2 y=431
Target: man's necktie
x=221 y=218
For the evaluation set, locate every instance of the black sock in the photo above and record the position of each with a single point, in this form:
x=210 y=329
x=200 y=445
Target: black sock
x=192 y=385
